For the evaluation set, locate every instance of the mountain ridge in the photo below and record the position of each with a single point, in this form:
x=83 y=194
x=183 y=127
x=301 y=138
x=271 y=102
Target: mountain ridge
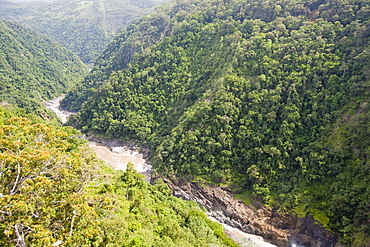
x=84 y=27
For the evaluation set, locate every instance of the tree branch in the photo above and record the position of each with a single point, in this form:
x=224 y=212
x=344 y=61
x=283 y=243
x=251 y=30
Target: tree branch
x=13 y=191
x=20 y=236
x=72 y=222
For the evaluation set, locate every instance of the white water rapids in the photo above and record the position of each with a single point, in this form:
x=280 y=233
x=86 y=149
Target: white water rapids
x=118 y=157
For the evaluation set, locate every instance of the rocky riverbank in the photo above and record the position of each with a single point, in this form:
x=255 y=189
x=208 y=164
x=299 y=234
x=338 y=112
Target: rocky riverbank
x=279 y=229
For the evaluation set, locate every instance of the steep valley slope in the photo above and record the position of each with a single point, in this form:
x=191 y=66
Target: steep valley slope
x=270 y=98
x=33 y=68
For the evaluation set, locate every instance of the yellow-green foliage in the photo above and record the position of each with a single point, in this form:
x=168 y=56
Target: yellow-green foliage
x=44 y=171
x=54 y=189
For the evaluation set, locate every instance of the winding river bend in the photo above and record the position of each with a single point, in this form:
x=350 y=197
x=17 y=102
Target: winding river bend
x=119 y=156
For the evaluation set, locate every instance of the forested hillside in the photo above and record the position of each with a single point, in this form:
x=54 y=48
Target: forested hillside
x=34 y=68
x=55 y=192
x=269 y=97
x=84 y=27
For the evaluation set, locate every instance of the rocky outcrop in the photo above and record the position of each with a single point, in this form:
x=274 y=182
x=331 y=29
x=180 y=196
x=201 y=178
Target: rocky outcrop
x=279 y=229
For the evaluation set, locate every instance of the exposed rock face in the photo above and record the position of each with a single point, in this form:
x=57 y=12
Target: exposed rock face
x=279 y=229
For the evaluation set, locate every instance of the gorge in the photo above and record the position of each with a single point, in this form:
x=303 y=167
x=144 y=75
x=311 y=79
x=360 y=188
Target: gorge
x=241 y=222
x=258 y=111
x=117 y=155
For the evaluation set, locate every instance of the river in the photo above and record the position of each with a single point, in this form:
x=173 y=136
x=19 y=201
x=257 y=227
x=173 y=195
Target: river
x=118 y=156
x=242 y=238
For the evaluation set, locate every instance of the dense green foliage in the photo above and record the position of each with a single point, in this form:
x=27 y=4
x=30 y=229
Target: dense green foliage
x=84 y=27
x=54 y=190
x=269 y=96
x=33 y=68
